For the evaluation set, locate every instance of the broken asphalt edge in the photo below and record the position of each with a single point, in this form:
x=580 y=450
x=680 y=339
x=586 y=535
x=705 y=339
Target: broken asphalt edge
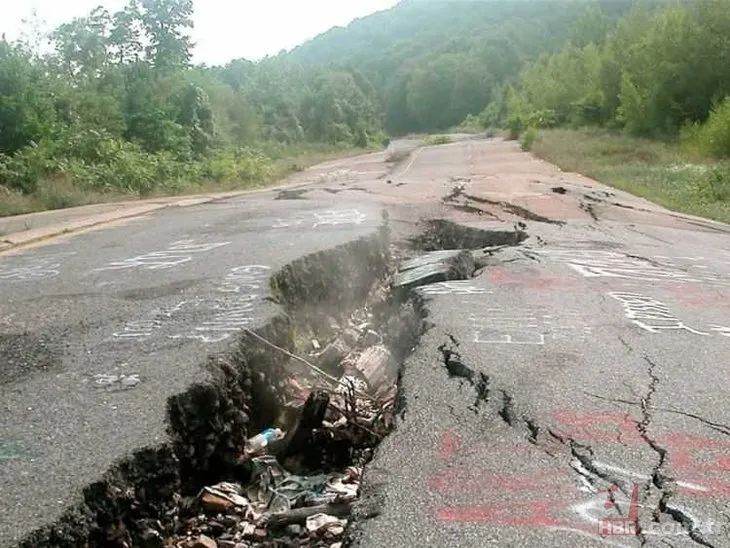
x=209 y=421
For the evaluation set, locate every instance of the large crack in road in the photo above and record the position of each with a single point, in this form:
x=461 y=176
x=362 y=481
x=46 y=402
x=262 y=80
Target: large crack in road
x=152 y=496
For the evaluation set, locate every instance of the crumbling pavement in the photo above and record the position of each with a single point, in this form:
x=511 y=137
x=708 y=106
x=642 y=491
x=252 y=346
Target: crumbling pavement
x=325 y=373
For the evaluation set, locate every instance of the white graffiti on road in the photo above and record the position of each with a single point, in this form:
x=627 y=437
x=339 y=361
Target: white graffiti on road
x=453 y=288
x=333 y=217
x=339 y=217
x=526 y=327
x=176 y=254
x=116 y=382
x=594 y=264
x=32 y=268
x=286 y=223
x=721 y=330
x=230 y=306
x=245 y=277
x=651 y=315
x=142 y=329
x=610 y=264
x=245 y=284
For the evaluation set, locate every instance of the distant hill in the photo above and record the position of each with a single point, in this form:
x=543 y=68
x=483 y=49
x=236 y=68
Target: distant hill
x=432 y=62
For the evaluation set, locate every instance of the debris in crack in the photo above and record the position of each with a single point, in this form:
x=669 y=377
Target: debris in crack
x=466 y=208
x=454 y=366
x=196 y=490
x=457 y=369
x=686 y=521
x=534 y=430
x=482 y=390
x=511 y=208
x=456 y=191
x=659 y=479
x=585 y=458
x=665 y=484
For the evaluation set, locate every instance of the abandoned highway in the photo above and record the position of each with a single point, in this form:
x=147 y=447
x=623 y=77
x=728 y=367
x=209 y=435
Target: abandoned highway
x=571 y=392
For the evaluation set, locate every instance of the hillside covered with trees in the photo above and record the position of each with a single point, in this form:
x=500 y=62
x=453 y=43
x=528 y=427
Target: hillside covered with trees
x=117 y=106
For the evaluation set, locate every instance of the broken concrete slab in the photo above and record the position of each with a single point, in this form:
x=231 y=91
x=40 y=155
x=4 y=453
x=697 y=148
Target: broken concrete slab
x=437 y=266
x=424 y=275
x=431 y=258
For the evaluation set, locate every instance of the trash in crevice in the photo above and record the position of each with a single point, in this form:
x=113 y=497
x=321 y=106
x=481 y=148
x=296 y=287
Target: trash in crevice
x=305 y=470
x=276 y=503
x=202 y=489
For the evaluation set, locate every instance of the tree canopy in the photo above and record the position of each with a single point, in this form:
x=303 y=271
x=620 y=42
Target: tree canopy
x=118 y=103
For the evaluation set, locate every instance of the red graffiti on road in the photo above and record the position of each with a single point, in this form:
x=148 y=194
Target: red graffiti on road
x=554 y=497
x=533 y=279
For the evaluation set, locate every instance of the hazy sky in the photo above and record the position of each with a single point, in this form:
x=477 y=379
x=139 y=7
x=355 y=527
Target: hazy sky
x=224 y=29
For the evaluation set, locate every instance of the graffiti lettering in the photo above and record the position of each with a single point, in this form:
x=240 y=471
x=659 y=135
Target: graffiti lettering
x=178 y=253
x=649 y=314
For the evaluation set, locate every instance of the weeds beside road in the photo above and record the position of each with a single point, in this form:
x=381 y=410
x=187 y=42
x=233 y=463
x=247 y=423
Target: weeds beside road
x=658 y=171
x=219 y=174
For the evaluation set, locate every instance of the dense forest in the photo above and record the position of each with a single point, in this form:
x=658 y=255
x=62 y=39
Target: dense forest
x=115 y=104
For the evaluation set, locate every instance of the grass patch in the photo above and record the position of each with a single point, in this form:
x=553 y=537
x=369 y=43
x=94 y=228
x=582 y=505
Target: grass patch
x=659 y=171
x=220 y=174
x=52 y=193
x=436 y=140
x=528 y=138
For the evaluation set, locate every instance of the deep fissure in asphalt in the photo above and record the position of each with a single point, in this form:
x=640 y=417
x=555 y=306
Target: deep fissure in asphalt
x=147 y=497
x=151 y=496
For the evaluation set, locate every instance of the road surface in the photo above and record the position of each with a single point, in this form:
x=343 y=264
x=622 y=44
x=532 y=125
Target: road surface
x=594 y=352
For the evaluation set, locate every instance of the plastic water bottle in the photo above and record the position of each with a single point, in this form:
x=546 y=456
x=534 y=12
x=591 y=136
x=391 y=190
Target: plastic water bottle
x=258 y=444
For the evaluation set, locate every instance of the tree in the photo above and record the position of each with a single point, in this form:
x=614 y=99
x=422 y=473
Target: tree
x=196 y=115
x=81 y=45
x=166 y=23
x=26 y=111
x=126 y=32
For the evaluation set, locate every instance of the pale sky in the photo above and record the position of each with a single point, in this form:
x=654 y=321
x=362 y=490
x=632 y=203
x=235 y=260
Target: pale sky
x=224 y=29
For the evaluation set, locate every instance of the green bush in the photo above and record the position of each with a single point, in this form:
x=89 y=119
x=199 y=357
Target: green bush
x=713 y=137
x=240 y=165
x=22 y=171
x=437 y=140
x=472 y=124
x=544 y=118
x=528 y=139
x=515 y=126
x=713 y=184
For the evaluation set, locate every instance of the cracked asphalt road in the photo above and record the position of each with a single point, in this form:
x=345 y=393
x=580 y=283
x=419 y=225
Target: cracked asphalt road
x=99 y=329
x=574 y=387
